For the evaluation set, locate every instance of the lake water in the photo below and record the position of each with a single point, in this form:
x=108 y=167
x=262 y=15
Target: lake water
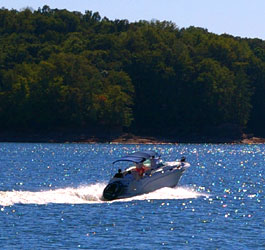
x=50 y=199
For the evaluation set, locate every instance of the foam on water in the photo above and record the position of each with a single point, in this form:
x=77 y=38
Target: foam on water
x=88 y=194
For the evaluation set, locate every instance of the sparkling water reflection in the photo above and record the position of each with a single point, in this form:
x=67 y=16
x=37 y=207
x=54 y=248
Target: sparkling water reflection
x=50 y=198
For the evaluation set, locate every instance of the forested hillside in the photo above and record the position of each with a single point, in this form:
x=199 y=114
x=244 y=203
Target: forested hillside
x=61 y=69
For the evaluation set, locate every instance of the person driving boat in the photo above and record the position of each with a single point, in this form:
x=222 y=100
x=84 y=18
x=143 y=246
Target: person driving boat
x=119 y=174
x=140 y=168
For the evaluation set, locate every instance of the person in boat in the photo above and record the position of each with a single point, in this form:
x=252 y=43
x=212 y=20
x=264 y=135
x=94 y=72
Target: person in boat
x=140 y=169
x=119 y=174
x=183 y=159
x=153 y=162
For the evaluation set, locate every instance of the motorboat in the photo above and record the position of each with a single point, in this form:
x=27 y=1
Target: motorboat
x=147 y=174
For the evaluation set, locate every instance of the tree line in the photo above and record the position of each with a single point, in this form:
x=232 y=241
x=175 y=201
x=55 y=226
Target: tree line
x=62 y=69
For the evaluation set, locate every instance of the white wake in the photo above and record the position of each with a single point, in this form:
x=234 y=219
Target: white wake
x=87 y=195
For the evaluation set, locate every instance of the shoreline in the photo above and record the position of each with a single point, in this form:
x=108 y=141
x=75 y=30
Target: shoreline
x=119 y=138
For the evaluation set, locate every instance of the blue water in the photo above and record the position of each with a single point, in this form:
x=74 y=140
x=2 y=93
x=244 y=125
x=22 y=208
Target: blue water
x=50 y=199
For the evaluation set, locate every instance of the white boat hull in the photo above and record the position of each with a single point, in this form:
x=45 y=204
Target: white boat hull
x=167 y=175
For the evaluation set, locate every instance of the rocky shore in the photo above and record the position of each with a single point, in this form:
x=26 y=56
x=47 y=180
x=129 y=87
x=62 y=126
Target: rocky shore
x=124 y=138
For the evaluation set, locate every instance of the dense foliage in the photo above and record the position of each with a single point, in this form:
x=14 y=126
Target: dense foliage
x=61 y=69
